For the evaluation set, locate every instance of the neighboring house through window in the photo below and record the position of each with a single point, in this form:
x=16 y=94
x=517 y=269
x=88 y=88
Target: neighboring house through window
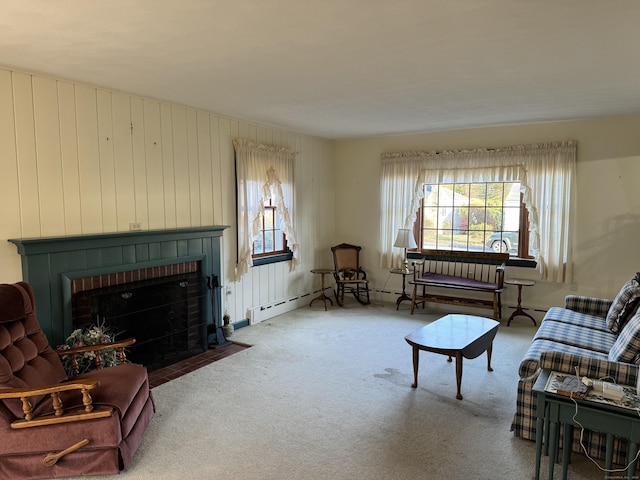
x=265 y=202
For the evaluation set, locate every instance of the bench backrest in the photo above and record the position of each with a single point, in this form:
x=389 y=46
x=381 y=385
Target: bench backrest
x=483 y=266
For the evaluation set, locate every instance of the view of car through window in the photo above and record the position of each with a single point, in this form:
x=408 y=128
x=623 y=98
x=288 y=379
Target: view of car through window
x=503 y=242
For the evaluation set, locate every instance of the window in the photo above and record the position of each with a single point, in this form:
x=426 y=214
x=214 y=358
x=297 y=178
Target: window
x=474 y=217
x=545 y=172
x=265 y=205
x=270 y=240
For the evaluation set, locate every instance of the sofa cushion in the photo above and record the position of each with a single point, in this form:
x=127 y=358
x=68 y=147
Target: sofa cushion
x=627 y=347
x=570 y=317
x=624 y=304
x=575 y=335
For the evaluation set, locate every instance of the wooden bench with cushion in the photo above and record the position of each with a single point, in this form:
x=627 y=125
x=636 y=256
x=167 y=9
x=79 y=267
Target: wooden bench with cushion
x=476 y=277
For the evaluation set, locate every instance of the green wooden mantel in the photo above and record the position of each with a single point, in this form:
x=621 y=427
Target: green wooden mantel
x=49 y=265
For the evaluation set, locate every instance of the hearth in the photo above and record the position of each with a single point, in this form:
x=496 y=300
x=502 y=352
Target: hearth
x=165 y=315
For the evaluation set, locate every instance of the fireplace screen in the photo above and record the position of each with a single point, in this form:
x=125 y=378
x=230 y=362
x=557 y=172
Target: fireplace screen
x=165 y=315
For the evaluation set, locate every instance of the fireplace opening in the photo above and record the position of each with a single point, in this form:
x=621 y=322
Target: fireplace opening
x=165 y=315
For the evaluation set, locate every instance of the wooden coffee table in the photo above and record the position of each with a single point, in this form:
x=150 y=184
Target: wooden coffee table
x=457 y=336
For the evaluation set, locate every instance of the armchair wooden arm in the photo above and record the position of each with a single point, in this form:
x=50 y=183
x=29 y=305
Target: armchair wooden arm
x=119 y=346
x=59 y=416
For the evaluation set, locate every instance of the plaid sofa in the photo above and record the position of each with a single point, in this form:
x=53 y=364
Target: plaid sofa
x=579 y=335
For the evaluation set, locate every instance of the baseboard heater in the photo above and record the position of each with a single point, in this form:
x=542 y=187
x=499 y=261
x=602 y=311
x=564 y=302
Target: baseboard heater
x=270 y=310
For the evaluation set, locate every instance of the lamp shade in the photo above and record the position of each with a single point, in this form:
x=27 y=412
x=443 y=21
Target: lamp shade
x=405 y=239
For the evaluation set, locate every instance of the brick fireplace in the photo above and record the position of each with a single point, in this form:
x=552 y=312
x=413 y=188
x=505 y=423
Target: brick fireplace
x=167 y=278
x=161 y=307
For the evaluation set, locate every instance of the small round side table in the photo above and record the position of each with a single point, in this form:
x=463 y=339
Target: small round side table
x=322 y=296
x=519 y=282
x=403 y=296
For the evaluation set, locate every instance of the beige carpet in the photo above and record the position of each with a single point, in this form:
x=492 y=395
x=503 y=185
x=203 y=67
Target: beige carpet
x=327 y=395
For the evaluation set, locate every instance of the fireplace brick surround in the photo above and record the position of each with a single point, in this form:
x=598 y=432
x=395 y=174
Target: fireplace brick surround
x=57 y=266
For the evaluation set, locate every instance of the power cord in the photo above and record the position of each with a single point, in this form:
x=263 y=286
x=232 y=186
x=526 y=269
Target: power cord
x=582 y=429
x=584 y=449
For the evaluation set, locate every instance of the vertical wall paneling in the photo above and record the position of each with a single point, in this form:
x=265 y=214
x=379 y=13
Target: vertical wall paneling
x=276 y=287
x=88 y=159
x=26 y=152
x=47 y=138
x=168 y=167
x=194 y=171
x=263 y=276
x=69 y=157
x=181 y=167
x=123 y=161
x=216 y=170
x=139 y=163
x=205 y=169
x=252 y=294
x=108 y=187
x=153 y=155
x=226 y=191
x=9 y=194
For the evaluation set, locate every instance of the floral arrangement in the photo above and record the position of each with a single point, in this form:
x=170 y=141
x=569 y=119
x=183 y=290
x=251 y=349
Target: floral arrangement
x=95 y=335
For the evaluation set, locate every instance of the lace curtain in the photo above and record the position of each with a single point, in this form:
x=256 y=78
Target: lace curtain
x=264 y=172
x=545 y=172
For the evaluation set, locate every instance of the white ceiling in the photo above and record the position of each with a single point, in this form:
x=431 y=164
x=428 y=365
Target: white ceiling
x=344 y=68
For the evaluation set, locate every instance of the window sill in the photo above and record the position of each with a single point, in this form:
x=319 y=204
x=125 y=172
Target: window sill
x=522 y=262
x=512 y=262
x=283 y=257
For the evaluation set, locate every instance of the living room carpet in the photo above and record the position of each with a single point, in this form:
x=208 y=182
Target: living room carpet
x=327 y=395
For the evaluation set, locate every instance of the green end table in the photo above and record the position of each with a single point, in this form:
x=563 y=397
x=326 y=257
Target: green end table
x=554 y=409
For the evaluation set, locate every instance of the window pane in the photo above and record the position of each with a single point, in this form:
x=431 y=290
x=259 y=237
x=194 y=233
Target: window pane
x=471 y=216
x=258 y=247
x=268 y=241
x=268 y=218
x=429 y=237
x=279 y=239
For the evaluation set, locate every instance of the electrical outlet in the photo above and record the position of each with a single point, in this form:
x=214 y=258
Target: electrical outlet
x=574 y=287
x=135 y=226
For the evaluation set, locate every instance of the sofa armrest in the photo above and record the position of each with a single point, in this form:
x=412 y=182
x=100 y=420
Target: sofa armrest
x=592 y=367
x=598 y=307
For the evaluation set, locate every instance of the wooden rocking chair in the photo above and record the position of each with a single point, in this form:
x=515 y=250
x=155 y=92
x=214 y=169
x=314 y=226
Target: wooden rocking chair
x=348 y=274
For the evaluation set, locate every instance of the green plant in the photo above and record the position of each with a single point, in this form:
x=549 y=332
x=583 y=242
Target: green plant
x=81 y=337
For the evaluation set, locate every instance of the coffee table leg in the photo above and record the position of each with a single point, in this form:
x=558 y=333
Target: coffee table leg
x=459 y=373
x=416 y=354
x=489 y=350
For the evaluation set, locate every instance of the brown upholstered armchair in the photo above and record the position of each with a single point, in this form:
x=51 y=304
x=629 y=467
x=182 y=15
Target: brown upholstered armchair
x=348 y=273
x=52 y=426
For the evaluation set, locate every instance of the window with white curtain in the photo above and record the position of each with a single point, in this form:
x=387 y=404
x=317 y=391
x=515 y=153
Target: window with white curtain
x=265 y=203
x=545 y=173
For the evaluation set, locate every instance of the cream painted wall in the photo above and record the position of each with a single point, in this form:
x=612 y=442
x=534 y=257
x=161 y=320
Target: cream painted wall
x=76 y=159
x=607 y=211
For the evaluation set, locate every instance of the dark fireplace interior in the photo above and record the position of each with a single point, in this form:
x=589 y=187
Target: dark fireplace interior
x=164 y=313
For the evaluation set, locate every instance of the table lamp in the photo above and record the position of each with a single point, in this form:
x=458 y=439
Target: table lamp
x=405 y=240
